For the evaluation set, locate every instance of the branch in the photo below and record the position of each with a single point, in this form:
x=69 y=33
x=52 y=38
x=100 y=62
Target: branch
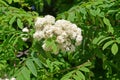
x=76 y=67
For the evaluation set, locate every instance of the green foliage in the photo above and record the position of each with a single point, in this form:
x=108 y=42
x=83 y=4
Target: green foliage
x=13 y=20
x=114 y=48
x=97 y=58
x=30 y=65
x=100 y=31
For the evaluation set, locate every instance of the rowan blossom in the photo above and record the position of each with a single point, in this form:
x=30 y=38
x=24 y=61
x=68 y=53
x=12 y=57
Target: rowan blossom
x=64 y=32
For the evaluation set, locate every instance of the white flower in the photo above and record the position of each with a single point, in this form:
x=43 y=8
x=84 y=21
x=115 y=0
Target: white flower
x=67 y=49
x=72 y=48
x=25 y=29
x=64 y=34
x=69 y=32
x=39 y=23
x=49 y=19
x=49 y=33
x=46 y=27
x=73 y=35
x=13 y=78
x=62 y=23
x=67 y=43
x=78 y=31
x=78 y=40
x=60 y=39
x=6 y=79
x=63 y=30
x=24 y=39
x=38 y=35
x=58 y=30
x=74 y=26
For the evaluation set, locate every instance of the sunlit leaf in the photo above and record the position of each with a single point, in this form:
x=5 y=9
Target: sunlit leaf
x=104 y=39
x=92 y=12
x=107 y=44
x=26 y=73
x=84 y=69
x=81 y=75
x=16 y=0
x=96 y=40
x=87 y=63
x=76 y=77
x=12 y=20
x=107 y=22
x=114 y=49
x=54 y=47
x=9 y=1
x=98 y=11
x=19 y=23
x=31 y=67
x=3 y=2
x=20 y=76
x=37 y=61
x=71 y=16
x=118 y=40
x=67 y=76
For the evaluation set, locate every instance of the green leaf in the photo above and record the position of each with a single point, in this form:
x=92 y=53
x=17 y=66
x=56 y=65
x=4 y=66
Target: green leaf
x=101 y=14
x=16 y=0
x=96 y=40
x=26 y=73
x=107 y=22
x=16 y=40
x=54 y=47
x=3 y=2
x=31 y=67
x=112 y=11
x=76 y=77
x=110 y=29
x=83 y=10
x=37 y=61
x=87 y=63
x=49 y=64
x=9 y=1
x=84 y=69
x=19 y=23
x=12 y=20
x=71 y=16
x=67 y=76
x=97 y=11
x=92 y=12
x=118 y=40
x=106 y=38
x=19 y=76
x=43 y=60
x=81 y=75
x=107 y=44
x=114 y=49
x=117 y=16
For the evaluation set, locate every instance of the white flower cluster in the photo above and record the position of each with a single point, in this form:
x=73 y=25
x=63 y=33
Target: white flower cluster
x=8 y=79
x=67 y=34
